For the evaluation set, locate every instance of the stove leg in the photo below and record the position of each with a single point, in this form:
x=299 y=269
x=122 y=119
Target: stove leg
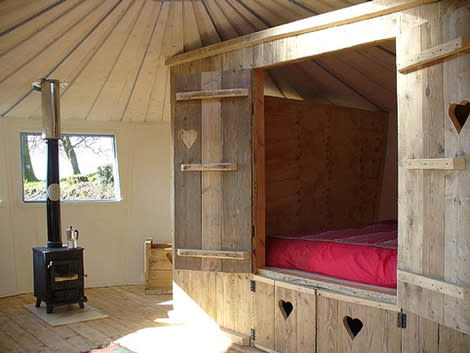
x=50 y=309
x=38 y=303
x=80 y=303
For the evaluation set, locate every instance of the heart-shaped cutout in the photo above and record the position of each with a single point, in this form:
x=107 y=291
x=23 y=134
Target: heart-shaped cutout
x=353 y=326
x=187 y=137
x=459 y=113
x=286 y=308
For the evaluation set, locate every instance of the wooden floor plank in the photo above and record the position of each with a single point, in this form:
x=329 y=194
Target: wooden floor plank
x=130 y=311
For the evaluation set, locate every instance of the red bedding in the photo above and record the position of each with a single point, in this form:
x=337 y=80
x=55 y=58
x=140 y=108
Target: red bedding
x=366 y=253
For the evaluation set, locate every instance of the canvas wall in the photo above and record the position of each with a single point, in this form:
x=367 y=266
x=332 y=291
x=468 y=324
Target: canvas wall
x=112 y=233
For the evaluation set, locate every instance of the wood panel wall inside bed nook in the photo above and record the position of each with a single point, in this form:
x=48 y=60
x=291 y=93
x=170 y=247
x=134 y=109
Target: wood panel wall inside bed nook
x=324 y=165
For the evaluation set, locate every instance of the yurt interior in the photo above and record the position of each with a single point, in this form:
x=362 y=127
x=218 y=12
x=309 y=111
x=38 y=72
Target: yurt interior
x=281 y=176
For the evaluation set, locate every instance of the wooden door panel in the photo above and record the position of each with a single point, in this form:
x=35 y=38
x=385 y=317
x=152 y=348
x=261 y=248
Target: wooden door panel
x=434 y=212
x=213 y=200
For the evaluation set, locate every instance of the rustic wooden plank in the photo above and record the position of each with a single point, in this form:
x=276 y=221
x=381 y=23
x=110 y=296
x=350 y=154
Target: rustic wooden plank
x=264 y=306
x=420 y=335
x=436 y=54
x=259 y=169
x=306 y=322
x=331 y=327
x=214 y=254
x=327 y=20
x=456 y=86
x=436 y=163
x=381 y=294
x=361 y=301
x=447 y=288
x=211 y=183
x=432 y=226
x=208 y=167
x=235 y=302
x=212 y=94
x=237 y=193
x=187 y=188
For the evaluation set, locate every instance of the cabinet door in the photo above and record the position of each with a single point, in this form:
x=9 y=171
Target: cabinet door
x=434 y=193
x=212 y=171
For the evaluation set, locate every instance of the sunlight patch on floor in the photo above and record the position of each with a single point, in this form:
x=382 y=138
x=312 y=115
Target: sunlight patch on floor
x=188 y=329
x=177 y=338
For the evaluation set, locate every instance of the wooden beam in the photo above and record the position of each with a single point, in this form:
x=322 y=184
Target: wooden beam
x=209 y=167
x=212 y=94
x=447 y=288
x=331 y=19
x=436 y=54
x=214 y=254
x=436 y=163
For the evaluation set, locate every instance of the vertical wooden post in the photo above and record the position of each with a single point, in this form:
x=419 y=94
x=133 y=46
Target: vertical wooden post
x=259 y=179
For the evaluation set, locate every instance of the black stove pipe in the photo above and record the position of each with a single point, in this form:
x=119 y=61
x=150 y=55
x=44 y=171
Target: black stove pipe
x=53 y=195
x=50 y=97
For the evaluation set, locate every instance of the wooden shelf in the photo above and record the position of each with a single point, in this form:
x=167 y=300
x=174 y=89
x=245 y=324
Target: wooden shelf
x=209 y=167
x=212 y=94
x=436 y=54
x=345 y=287
x=214 y=254
x=436 y=163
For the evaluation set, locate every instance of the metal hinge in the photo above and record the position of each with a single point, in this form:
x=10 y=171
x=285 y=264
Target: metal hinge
x=401 y=320
x=253 y=334
x=253 y=286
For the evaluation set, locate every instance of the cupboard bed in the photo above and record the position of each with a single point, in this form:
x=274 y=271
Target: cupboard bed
x=236 y=182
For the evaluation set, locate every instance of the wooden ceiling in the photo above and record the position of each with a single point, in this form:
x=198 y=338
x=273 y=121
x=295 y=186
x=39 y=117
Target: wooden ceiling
x=112 y=52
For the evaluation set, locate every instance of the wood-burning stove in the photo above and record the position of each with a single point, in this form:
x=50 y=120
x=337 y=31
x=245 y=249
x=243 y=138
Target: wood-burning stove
x=58 y=276
x=58 y=270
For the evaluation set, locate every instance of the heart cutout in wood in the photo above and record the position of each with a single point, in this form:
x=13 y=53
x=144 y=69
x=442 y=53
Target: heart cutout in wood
x=353 y=326
x=187 y=137
x=459 y=113
x=286 y=308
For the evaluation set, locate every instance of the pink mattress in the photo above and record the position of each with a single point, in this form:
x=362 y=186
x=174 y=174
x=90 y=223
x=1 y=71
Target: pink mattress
x=366 y=253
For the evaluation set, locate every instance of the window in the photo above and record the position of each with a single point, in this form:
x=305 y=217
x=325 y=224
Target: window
x=88 y=167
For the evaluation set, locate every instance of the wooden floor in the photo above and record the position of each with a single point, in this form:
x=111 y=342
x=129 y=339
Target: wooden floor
x=138 y=321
